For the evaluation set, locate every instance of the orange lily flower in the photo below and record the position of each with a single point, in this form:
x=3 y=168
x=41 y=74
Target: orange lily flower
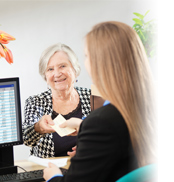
x=5 y=38
x=2 y=53
x=8 y=55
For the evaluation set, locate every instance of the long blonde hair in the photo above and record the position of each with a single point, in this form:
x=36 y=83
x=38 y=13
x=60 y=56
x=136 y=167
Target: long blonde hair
x=121 y=72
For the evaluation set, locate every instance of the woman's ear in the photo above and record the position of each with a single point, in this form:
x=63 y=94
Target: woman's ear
x=47 y=82
x=45 y=77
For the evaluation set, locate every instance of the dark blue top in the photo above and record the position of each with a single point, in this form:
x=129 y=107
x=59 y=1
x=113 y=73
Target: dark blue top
x=64 y=144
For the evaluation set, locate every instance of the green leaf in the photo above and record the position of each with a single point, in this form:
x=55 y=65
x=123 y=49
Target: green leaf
x=136 y=25
x=147 y=31
x=139 y=15
x=137 y=21
x=146 y=13
x=142 y=34
x=140 y=37
x=149 y=21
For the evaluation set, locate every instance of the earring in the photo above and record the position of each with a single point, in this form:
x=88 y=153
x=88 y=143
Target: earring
x=76 y=80
x=48 y=87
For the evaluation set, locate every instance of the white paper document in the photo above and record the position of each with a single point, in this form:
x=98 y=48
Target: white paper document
x=44 y=162
x=61 y=131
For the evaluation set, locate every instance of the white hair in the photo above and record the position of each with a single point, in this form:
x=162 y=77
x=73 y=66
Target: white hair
x=46 y=55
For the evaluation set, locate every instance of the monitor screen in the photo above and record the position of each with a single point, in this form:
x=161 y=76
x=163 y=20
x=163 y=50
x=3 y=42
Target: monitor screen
x=10 y=112
x=10 y=123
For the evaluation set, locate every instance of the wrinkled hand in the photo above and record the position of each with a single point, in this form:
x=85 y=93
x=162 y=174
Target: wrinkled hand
x=72 y=123
x=50 y=171
x=72 y=154
x=43 y=125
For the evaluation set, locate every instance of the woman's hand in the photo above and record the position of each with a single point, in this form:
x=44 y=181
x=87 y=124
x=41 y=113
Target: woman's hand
x=50 y=171
x=72 y=154
x=43 y=125
x=72 y=123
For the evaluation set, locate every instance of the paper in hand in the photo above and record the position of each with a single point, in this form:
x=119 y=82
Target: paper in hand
x=44 y=162
x=61 y=131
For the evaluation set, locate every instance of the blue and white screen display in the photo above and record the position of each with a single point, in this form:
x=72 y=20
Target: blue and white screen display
x=8 y=120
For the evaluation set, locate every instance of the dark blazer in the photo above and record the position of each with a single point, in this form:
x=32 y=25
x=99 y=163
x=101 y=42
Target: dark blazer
x=104 y=150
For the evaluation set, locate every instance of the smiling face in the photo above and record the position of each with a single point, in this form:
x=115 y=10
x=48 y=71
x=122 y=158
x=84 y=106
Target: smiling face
x=60 y=74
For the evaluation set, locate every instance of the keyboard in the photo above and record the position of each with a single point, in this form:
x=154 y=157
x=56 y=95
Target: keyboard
x=36 y=175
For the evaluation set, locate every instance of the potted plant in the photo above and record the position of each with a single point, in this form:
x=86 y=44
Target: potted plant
x=147 y=32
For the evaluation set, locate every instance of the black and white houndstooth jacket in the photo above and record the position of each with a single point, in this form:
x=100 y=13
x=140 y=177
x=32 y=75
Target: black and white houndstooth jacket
x=39 y=105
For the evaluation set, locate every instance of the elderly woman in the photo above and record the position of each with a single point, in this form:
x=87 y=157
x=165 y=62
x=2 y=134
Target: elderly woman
x=59 y=67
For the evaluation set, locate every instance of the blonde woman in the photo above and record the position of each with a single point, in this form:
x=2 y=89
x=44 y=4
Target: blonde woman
x=118 y=137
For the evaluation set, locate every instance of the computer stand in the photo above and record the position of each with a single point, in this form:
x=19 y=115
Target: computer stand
x=7 y=161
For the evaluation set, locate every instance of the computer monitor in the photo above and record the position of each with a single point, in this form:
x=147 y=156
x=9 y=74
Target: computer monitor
x=10 y=123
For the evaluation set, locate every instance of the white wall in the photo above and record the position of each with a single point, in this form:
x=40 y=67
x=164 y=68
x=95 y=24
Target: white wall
x=39 y=24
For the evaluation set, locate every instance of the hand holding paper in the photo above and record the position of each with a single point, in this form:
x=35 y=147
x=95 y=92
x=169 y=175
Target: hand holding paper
x=61 y=131
x=72 y=123
x=44 y=162
x=43 y=125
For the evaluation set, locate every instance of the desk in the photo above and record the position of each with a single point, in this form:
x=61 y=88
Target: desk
x=31 y=166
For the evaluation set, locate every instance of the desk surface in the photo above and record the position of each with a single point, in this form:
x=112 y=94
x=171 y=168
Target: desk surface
x=31 y=166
